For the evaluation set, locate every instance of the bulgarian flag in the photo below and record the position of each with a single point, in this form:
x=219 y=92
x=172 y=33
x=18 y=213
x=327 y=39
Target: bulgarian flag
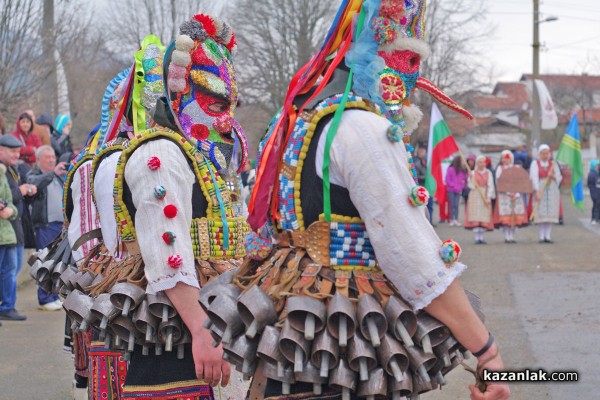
x=441 y=147
x=569 y=153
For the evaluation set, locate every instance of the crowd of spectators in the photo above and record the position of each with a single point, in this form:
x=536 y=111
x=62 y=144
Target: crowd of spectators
x=31 y=182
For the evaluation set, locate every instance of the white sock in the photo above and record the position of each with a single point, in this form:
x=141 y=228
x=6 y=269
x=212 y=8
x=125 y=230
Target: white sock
x=506 y=231
x=548 y=231
x=542 y=231
x=513 y=231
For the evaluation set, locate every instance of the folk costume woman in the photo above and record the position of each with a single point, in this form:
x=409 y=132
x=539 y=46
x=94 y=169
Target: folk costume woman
x=546 y=177
x=336 y=193
x=510 y=211
x=479 y=204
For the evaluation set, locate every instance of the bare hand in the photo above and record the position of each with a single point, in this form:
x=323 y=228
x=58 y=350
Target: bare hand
x=28 y=189
x=6 y=213
x=60 y=169
x=208 y=360
x=538 y=196
x=494 y=391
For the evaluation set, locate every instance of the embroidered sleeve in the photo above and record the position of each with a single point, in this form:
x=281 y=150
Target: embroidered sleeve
x=84 y=218
x=103 y=193
x=160 y=180
x=376 y=173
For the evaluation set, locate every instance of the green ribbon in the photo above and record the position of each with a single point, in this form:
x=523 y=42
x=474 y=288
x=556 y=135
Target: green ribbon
x=331 y=132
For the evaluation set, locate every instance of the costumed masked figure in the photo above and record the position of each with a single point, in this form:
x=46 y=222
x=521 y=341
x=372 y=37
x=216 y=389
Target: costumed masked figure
x=546 y=177
x=176 y=203
x=478 y=215
x=100 y=372
x=334 y=309
x=512 y=185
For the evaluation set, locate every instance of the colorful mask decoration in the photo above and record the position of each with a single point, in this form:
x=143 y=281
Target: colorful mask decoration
x=203 y=89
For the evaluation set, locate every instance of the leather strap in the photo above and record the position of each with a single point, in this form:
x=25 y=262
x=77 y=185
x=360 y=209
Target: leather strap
x=381 y=287
x=342 y=282
x=133 y=248
x=94 y=234
x=258 y=385
x=362 y=282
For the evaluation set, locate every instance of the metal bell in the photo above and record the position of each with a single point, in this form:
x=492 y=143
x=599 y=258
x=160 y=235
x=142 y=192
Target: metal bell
x=294 y=347
x=325 y=352
x=287 y=378
x=268 y=348
x=223 y=313
x=430 y=332
x=402 y=320
x=306 y=314
x=160 y=306
x=343 y=379
x=376 y=387
x=104 y=312
x=361 y=356
x=401 y=389
x=124 y=329
x=310 y=374
x=170 y=332
x=256 y=310
x=144 y=321
x=242 y=352
x=373 y=323
x=341 y=318
x=420 y=362
x=126 y=296
x=393 y=357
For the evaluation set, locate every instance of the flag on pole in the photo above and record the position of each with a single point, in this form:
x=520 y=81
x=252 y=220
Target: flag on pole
x=569 y=153
x=441 y=146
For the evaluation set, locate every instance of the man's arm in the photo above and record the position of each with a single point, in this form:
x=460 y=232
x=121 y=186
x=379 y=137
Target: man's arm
x=177 y=279
x=377 y=176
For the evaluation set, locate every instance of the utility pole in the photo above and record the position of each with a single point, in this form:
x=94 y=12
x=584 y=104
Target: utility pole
x=535 y=116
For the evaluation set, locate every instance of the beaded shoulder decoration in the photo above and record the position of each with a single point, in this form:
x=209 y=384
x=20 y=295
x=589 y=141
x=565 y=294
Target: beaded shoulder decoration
x=290 y=207
x=220 y=234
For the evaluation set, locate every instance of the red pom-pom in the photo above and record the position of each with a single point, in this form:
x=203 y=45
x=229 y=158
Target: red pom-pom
x=153 y=163
x=168 y=237
x=200 y=132
x=208 y=24
x=170 y=211
x=175 y=261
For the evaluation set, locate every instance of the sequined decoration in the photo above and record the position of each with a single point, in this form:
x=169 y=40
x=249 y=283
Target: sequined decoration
x=160 y=192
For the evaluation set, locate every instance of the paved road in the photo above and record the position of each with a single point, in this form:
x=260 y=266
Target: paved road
x=541 y=302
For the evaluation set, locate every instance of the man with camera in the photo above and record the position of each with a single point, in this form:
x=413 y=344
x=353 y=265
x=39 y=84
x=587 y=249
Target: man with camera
x=9 y=213
x=47 y=215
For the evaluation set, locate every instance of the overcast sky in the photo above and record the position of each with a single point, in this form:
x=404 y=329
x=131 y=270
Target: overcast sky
x=569 y=45
x=572 y=44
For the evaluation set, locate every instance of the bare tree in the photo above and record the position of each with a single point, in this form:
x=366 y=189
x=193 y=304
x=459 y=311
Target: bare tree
x=456 y=32
x=20 y=53
x=275 y=38
x=131 y=20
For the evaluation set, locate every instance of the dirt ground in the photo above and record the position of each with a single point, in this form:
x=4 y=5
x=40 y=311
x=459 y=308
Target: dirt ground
x=540 y=301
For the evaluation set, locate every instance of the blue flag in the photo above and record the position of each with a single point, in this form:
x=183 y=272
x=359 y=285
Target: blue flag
x=569 y=153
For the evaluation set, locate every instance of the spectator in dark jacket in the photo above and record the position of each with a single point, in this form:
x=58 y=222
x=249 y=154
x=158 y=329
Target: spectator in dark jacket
x=8 y=240
x=61 y=139
x=47 y=215
x=593 y=182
